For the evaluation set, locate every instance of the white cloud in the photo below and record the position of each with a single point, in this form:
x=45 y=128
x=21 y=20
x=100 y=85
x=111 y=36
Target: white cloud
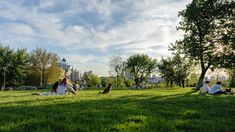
x=147 y=26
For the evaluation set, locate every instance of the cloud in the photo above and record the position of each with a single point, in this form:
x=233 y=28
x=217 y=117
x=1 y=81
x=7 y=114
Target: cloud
x=89 y=32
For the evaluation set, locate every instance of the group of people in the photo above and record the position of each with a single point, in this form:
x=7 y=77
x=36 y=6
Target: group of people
x=63 y=87
x=60 y=87
x=214 y=89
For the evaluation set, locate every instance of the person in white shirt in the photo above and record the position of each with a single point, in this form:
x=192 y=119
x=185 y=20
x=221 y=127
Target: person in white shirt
x=205 y=88
x=216 y=89
x=65 y=87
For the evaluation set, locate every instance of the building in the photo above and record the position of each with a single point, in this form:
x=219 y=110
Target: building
x=75 y=75
x=87 y=73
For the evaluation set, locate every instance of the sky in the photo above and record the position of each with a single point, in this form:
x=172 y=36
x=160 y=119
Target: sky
x=87 y=33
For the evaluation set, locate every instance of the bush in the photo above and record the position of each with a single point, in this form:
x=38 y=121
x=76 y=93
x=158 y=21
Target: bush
x=129 y=83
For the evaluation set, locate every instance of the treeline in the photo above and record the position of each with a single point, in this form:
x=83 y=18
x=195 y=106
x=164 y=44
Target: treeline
x=177 y=69
x=208 y=41
x=137 y=69
x=20 y=67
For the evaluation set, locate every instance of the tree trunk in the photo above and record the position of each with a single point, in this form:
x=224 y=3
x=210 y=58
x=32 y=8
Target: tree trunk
x=43 y=76
x=183 y=83
x=171 y=83
x=200 y=81
x=233 y=79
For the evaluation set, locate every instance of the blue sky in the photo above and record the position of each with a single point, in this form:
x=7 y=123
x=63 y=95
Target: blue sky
x=89 y=32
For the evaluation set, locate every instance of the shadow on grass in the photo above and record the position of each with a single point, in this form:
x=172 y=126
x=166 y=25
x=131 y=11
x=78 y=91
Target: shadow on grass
x=177 y=112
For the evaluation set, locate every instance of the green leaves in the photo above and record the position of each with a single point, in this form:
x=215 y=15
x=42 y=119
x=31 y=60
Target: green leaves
x=175 y=69
x=140 y=66
x=209 y=30
x=41 y=59
x=14 y=63
x=92 y=80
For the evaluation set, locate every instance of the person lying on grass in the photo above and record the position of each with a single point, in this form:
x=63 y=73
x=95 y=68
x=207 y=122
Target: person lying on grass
x=59 y=88
x=106 y=90
x=216 y=89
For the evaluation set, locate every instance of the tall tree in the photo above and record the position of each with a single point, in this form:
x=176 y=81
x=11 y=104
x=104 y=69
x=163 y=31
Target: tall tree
x=175 y=69
x=141 y=66
x=166 y=70
x=43 y=59
x=20 y=64
x=13 y=65
x=209 y=33
x=183 y=67
x=118 y=66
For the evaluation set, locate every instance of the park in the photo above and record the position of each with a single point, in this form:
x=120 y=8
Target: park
x=161 y=109
x=123 y=66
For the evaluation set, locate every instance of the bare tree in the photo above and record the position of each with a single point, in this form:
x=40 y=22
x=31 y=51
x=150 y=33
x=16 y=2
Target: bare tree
x=117 y=65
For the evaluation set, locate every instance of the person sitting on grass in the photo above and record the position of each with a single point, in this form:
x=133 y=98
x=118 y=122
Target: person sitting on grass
x=55 y=87
x=65 y=88
x=216 y=89
x=106 y=90
x=205 y=88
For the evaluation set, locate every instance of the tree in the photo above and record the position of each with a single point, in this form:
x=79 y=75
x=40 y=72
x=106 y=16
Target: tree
x=19 y=67
x=166 y=70
x=43 y=59
x=141 y=66
x=175 y=69
x=92 y=80
x=117 y=65
x=105 y=81
x=209 y=33
x=13 y=65
x=53 y=73
x=183 y=67
x=232 y=77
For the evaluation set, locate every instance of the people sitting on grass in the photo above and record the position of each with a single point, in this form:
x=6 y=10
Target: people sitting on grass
x=55 y=87
x=216 y=89
x=59 y=88
x=107 y=90
x=205 y=88
x=65 y=87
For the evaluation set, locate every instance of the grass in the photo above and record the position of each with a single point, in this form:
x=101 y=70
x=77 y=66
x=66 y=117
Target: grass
x=162 y=109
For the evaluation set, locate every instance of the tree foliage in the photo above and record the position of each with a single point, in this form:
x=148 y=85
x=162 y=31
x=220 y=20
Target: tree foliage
x=141 y=66
x=14 y=63
x=92 y=80
x=42 y=59
x=208 y=27
x=175 y=69
x=166 y=70
x=53 y=73
x=183 y=68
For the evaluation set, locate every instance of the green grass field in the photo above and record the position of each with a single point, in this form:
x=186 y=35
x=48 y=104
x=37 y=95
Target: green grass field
x=162 y=109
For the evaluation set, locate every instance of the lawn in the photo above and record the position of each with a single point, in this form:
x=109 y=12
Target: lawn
x=160 y=109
